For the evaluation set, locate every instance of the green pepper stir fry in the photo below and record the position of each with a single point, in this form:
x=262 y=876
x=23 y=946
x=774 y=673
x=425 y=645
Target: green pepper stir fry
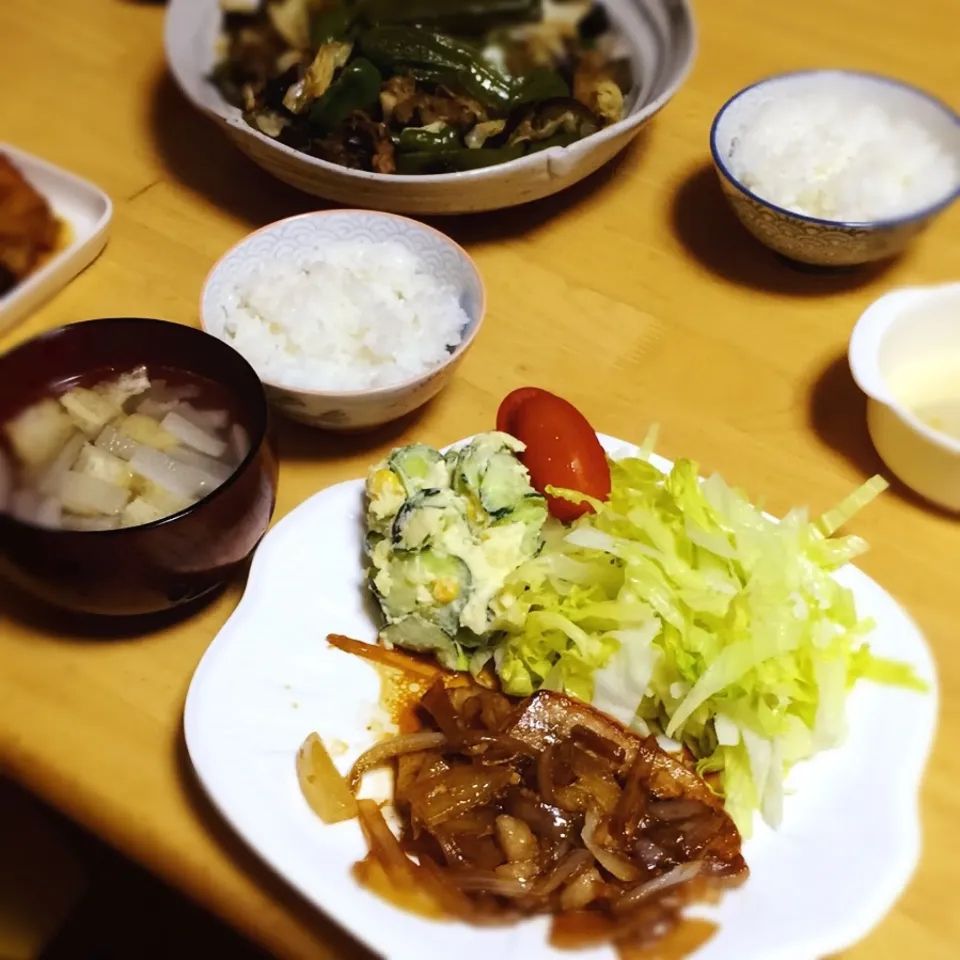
x=416 y=87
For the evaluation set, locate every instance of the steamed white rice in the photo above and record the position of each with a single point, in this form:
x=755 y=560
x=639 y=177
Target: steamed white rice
x=348 y=316
x=839 y=158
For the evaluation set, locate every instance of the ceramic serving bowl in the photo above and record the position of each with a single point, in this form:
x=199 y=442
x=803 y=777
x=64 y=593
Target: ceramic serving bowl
x=659 y=33
x=904 y=355
x=156 y=566
x=810 y=240
x=340 y=409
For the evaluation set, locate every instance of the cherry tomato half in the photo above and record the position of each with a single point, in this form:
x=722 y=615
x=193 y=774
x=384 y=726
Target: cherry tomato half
x=562 y=448
x=512 y=402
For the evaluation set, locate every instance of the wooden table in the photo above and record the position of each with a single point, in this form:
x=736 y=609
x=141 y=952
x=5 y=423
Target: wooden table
x=636 y=295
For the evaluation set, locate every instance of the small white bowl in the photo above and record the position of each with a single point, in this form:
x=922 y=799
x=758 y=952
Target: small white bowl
x=813 y=240
x=357 y=409
x=905 y=356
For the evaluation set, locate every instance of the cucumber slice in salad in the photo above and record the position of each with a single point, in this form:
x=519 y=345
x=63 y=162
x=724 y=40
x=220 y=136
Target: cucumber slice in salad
x=488 y=472
x=426 y=582
x=425 y=516
x=532 y=512
x=370 y=542
x=419 y=467
x=421 y=636
x=504 y=484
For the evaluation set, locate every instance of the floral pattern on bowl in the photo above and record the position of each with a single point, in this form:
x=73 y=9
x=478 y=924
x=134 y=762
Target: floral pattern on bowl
x=361 y=409
x=815 y=241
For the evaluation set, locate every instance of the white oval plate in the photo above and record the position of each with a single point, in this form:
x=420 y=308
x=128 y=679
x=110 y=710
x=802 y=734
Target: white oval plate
x=82 y=205
x=849 y=841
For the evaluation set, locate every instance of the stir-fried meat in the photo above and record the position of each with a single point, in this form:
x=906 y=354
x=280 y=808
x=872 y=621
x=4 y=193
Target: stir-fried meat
x=538 y=45
x=253 y=54
x=548 y=718
x=28 y=227
x=596 y=87
x=384 y=154
x=397 y=92
x=405 y=103
x=455 y=111
x=550 y=807
x=361 y=143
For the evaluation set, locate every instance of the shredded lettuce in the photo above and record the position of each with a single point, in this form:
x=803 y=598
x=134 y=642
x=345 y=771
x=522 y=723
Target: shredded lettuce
x=681 y=609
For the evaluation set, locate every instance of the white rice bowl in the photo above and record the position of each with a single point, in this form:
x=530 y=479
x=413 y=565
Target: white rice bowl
x=347 y=315
x=840 y=146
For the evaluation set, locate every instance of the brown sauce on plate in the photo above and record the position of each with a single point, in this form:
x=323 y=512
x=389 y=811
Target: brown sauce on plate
x=404 y=678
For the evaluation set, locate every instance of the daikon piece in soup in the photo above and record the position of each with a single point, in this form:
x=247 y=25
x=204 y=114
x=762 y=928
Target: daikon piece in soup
x=118 y=449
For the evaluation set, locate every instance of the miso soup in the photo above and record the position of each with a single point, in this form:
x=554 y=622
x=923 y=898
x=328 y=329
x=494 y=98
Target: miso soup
x=118 y=449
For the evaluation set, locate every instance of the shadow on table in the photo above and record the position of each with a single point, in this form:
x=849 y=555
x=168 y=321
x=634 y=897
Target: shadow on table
x=474 y=229
x=53 y=623
x=711 y=233
x=336 y=941
x=197 y=154
x=837 y=411
x=297 y=441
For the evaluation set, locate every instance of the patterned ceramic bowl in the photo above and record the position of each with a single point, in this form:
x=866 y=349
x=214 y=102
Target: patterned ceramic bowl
x=339 y=409
x=830 y=243
x=659 y=36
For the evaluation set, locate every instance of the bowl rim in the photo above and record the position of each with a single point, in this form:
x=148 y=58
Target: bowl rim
x=231 y=117
x=864 y=343
x=373 y=392
x=255 y=442
x=883 y=223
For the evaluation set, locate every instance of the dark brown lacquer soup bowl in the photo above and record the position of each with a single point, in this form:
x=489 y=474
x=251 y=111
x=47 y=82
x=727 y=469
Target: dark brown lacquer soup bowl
x=153 y=567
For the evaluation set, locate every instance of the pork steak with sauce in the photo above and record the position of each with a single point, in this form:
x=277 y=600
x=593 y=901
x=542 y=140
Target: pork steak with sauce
x=547 y=807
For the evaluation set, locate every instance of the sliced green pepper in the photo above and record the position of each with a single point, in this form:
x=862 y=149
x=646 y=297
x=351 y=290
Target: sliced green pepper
x=541 y=83
x=415 y=139
x=441 y=76
x=329 y=25
x=454 y=161
x=357 y=88
x=457 y=16
x=557 y=140
x=396 y=49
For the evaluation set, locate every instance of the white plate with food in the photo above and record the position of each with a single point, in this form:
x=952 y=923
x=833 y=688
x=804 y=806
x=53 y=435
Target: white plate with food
x=54 y=224
x=846 y=834
x=260 y=74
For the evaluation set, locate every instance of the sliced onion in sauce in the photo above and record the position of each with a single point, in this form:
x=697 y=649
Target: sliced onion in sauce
x=676 y=876
x=481 y=881
x=321 y=783
x=379 y=754
x=612 y=862
x=572 y=864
